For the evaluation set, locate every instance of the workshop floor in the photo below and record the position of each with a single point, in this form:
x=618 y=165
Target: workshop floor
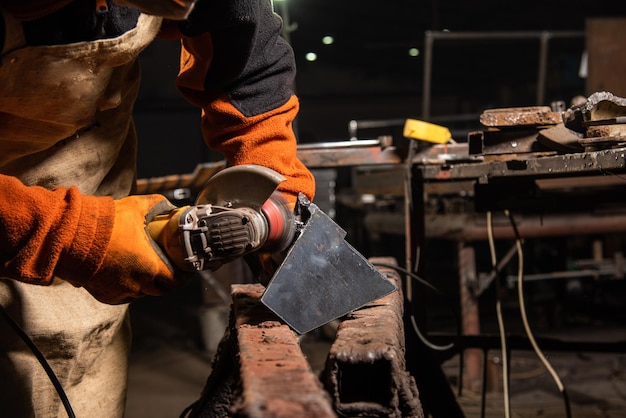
x=169 y=367
x=595 y=383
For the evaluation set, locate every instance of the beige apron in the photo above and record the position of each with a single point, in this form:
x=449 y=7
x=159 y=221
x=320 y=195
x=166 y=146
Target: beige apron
x=65 y=119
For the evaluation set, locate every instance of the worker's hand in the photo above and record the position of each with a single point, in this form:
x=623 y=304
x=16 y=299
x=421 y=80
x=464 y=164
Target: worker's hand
x=134 y=265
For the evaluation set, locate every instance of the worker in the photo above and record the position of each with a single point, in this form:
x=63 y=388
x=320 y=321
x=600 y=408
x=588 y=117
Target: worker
x=74 y=250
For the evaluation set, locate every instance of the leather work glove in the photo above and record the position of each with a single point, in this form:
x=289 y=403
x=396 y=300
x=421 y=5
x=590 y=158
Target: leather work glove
x=134 y=265
x=216 y=236
x=91 y=241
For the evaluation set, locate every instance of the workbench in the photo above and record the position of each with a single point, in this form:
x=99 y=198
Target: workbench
x=448 y=192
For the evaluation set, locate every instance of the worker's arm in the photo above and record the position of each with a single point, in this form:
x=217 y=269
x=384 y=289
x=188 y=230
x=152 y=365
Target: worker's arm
x=95 y=242
x=237 y=68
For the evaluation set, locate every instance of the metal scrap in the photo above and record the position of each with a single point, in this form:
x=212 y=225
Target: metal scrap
x=498 y=142
x=599 y=106
x=599 y=122
x=513 y=131
x=520 y=116
x=560 y=138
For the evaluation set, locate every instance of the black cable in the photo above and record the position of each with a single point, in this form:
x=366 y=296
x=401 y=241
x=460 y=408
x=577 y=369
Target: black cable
x=438 y=292
x=42 y=360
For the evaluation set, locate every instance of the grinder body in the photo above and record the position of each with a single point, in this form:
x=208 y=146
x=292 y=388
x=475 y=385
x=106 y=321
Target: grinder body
x=237 y=213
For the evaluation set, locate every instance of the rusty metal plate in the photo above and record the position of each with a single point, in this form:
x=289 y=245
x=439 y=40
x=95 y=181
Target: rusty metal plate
x=520 y=116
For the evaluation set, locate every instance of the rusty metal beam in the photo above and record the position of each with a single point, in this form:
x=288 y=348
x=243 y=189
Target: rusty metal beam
x=579 y=164
x=471 y=375
x=365 y=370
x=534 y=116
x=507 y=142
x=191 y=183
x=260 y=370
x=473 y=227
x=348 y=153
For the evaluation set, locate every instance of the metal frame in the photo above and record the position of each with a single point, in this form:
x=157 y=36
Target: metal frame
x=543 y=36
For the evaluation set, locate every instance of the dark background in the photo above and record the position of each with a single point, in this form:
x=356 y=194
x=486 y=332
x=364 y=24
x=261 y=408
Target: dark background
x=367 y=74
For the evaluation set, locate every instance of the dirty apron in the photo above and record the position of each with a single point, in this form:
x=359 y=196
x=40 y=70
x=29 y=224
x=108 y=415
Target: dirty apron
x=65 y=119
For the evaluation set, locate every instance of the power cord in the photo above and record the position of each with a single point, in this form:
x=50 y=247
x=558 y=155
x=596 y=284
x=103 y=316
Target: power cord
x=518 y=245
x=501 y=329
x=522 y=307
x=42 y=360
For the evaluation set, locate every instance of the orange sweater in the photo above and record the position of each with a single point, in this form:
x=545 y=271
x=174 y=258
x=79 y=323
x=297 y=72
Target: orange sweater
x=237 y=69
x=44 y=232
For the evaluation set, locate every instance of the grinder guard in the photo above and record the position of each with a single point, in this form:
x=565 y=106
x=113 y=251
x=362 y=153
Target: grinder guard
x=240 y=186
x=238 y=212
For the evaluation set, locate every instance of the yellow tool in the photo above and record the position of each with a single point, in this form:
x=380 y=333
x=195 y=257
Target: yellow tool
x=426 y=131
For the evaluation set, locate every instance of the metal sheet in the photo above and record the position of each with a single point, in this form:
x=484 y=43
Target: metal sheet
x=322 y=277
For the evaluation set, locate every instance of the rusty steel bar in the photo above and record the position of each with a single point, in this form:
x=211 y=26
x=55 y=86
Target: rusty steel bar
x=365 y=370
x=276 y=379
x=260 y=370
x=348 y=153
x=471 y=227
x=579 y=164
